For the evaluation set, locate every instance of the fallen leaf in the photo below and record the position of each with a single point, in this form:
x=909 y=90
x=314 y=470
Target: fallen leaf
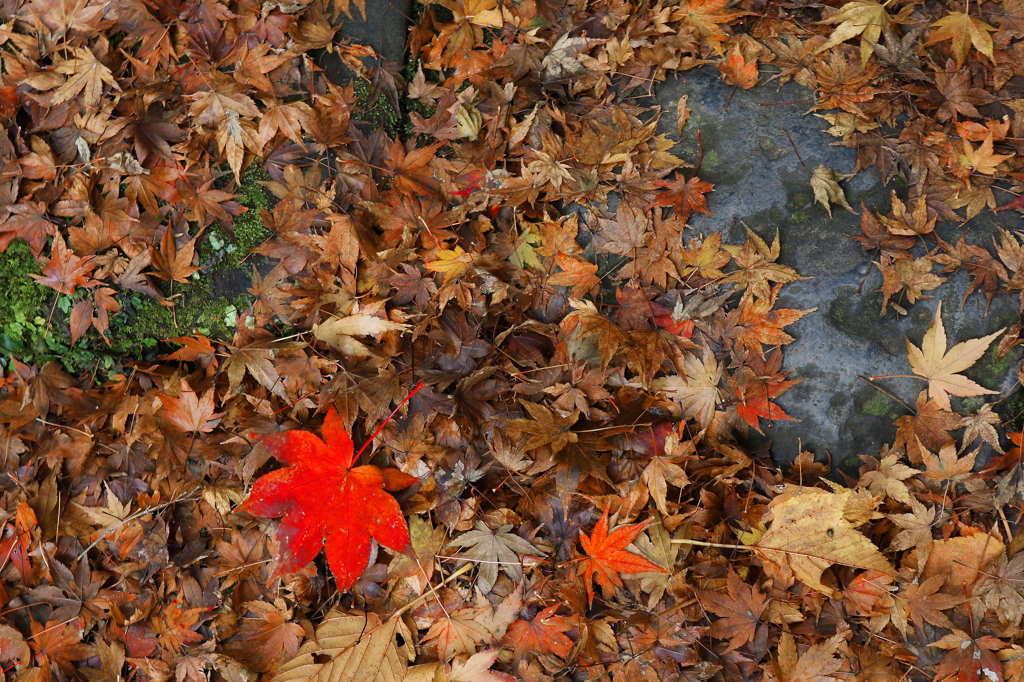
x=941 y=368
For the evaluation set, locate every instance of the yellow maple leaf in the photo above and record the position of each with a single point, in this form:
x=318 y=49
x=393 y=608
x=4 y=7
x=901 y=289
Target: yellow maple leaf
x=864 y=18
x=809 y=533
x=451 y=262
x=941 y=368
x=964 y=30
x=982 y=160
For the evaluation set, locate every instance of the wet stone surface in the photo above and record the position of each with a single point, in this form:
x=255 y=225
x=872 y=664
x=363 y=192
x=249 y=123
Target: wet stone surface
x=760 y=181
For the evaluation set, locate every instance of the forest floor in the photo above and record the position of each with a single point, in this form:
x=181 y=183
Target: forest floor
x=612 y=340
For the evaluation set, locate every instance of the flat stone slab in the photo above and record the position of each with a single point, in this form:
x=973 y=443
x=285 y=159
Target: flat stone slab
x=762 y=179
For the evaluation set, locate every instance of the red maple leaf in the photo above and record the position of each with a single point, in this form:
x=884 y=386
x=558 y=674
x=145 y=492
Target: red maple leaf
x=606 y=555
x=325 y=501
x=686 y=195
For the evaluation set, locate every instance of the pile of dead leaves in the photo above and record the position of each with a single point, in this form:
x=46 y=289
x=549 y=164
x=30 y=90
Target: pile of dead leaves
x=564 y=496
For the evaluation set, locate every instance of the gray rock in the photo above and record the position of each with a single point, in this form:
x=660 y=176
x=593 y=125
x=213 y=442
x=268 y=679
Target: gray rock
x=385 y=29
x=761 y=181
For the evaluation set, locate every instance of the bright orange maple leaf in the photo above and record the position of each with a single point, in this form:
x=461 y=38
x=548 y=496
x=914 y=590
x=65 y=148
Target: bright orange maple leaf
x=326 y=502
x=606 y=555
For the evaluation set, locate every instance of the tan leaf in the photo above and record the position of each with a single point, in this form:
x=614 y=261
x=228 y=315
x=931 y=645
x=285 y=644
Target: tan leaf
x=941 y=368
x=825 y=183
x=809 y=534
x=358 y=648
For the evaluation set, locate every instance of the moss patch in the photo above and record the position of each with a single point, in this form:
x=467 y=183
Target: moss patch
x=216 y=295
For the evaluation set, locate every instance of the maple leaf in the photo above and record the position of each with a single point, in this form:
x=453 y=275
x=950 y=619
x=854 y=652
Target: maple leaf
x=266 y=638
x=947 y=467
x=887 y=479
x=575 y=273
x=737 y=71
x=412 y=173
x=969 y=659
x=543 y=634
x=189 y=412
x=816 y=665
x=706 y=258
x=864 y=18
x=494 y=549
x=916 y=530
x=27 y=221
x=964 y=30
x=941 y=368
x=328 y=502
x=812 y=532
x=866 y=590
x=825 y=183
x=170 y=262
x=759 y=323
x=740 y=610
x=606 y=555
x=176 y=625
x=1001 y=589
x=459 y=632
x=757 y=266
x=87 y=76
x=982 y=160
x=65 y=271
x=875 y=236
x=356 y=647
x=547 y=428
x=707 y=16
x=476 y=668
x=922 y=602
x=451 y=262
x=685 y=195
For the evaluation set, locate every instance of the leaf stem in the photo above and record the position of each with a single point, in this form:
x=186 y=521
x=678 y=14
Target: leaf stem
x=387 y=419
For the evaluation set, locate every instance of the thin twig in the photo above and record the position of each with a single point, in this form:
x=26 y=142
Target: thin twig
x=422 y=598
x=143 y=512
x=796 y=151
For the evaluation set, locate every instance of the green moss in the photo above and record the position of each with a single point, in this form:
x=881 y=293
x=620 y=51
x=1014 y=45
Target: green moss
x=24 y=306
x=990 y=371
x=801 y=216
x=711 y=159
x=379 y=113
x=879 y=407
x=851 y=462
x=211 y=302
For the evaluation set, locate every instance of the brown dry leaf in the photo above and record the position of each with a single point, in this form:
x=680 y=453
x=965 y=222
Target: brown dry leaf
x=963 y=560
x=816 y=665
x=912 y=275
x=697 y=391
x=887 y=480
x=338 y=332
x=809 y=533
x=825 y=183
x=864 y=18
x=357 y=647
x=941 y=368
x=964 y=30
x=916 y=530
x=86 y=76
x=1001 y=589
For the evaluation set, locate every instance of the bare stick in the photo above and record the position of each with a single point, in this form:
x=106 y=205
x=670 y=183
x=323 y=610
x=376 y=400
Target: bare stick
x=422 y=598
x=143 y=512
